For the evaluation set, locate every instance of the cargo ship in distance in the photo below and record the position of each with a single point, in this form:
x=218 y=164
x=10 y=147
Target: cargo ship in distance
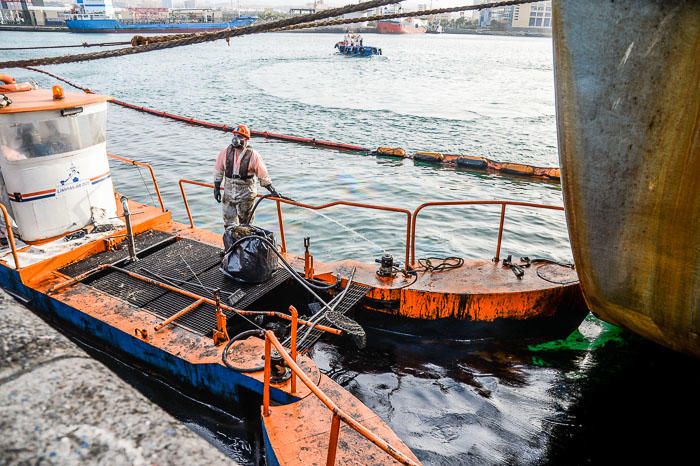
x=99 y=16
x=401 y=26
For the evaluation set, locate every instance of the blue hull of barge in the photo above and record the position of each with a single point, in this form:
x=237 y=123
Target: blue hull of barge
x=224 y=384
x=358 y=51
x=114 y=25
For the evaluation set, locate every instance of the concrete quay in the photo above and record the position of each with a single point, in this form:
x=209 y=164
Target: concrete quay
x=58 y=406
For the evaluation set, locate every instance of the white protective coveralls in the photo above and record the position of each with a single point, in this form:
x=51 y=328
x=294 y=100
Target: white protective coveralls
x=239 y=189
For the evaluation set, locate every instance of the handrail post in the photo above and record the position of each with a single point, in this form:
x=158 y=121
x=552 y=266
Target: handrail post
x=333 y=442
x=266 y=388
x=408 y=265
x=293 y=345
x=136 y=163
x=280 y=222
x=155 y=185
x=10 y=234
x=187 y=204
x=500 y=232
x=330 y=404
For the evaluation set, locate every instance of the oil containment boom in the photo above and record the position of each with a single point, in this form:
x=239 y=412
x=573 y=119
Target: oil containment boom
x=628 y=122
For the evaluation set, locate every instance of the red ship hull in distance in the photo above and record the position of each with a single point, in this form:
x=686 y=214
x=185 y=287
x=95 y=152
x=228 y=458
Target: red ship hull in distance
x=407 y=26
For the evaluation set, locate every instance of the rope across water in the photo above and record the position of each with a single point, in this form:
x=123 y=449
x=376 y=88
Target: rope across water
x=149 y=44
x=170 y=41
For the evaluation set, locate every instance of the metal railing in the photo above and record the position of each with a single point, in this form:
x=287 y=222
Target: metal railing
x=411 y=217
x=280 y=220
x=10 y=234
x=503 y=205
x=338 y=413
x=150 y=170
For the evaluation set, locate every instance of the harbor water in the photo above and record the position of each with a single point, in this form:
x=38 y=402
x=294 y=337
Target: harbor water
x=601 y=394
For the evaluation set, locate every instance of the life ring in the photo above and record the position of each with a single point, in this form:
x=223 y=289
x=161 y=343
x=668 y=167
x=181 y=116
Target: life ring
x=19 y=87
x=7 y=79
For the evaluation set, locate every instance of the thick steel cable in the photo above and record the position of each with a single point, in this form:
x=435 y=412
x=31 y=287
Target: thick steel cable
x=72 y=84
x=435 y=11
x=197 y=38
x=300 y=22
x=84 y=44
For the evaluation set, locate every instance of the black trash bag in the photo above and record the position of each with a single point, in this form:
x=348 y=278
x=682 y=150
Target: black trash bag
x=249 y=259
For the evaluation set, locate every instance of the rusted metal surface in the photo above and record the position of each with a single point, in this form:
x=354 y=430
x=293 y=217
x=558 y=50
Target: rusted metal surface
x=479 y=290
x=148 y=218
x=628 y=120
x=283 y=429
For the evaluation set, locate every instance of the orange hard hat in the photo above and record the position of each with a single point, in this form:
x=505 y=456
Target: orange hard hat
x=242 y=130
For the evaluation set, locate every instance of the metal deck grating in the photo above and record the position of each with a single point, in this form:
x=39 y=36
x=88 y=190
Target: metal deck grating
x=129 y=289
x=174 y=264
x=143 y=241
x=256 y=292
x=176 y=260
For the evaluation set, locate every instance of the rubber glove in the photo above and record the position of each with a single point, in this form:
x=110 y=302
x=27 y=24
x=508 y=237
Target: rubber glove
x=217 y=191
x=273 y=191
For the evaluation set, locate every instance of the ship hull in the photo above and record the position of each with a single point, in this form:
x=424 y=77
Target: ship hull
x=628 y=120
x=389 y=27
x=113 y=25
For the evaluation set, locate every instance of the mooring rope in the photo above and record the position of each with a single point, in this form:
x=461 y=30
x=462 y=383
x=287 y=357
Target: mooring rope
x=84 y=44
x=434 y=11
x=148 y=44
x=152 y=44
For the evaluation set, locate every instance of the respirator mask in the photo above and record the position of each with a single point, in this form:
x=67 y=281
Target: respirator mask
x=237 y=141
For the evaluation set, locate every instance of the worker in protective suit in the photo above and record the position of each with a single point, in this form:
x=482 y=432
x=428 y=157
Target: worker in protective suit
x=237 y=166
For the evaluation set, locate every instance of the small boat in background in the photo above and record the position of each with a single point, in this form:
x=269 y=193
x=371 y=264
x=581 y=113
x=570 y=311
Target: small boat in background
x=352 y=45
x=357 y=50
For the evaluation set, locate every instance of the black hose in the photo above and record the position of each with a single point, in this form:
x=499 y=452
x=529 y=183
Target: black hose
x=319 y=285
x=242 y=336
x=260 y=199
x=289 y=268
x=442 y=264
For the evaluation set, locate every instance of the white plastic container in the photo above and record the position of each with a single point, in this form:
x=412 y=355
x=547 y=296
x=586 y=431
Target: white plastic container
x=56 y=171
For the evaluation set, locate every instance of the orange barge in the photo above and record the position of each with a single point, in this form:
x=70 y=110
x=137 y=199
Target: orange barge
x=105 y=279
x=465 y=299
x=151 y=289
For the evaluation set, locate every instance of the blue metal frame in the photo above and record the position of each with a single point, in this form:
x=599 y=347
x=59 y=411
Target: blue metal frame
x=270 y=456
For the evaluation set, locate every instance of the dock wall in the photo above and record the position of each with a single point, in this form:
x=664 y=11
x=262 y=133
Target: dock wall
x=60 y=406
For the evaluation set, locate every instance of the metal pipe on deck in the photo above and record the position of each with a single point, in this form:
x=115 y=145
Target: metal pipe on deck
x=131 y=244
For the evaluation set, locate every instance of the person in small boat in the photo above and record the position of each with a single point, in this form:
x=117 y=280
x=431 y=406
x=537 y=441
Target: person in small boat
x=237 y=166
